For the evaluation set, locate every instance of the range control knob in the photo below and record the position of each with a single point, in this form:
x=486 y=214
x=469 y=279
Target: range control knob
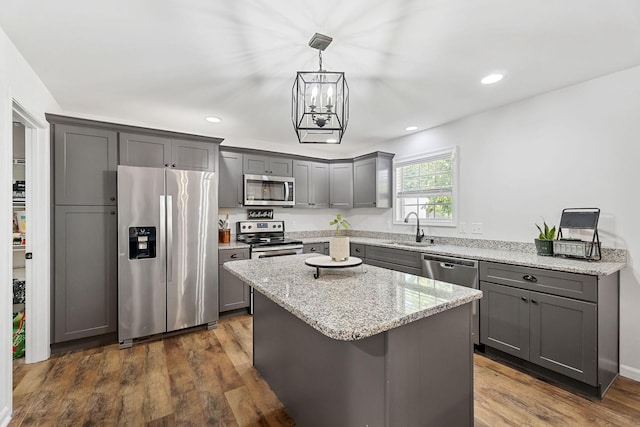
x=279 y=225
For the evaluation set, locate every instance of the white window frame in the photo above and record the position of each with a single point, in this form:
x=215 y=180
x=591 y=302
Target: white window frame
x=423 y=157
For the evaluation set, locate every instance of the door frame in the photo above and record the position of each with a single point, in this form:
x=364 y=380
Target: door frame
x=38 y=208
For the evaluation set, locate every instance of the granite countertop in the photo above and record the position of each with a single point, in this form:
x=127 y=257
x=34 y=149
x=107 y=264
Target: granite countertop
x=501 y=255
x=233 y=245
x=352 y=303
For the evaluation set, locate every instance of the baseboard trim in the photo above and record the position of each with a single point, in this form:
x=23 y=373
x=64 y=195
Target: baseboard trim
x=629 y=372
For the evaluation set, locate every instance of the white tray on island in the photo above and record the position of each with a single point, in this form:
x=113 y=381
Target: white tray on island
x=325 y=261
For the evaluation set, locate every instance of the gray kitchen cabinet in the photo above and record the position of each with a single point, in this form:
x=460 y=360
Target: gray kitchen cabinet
x=267 y=165
x=341 y=185
x=313 y=248
x=372 y=180
x=394 y=259
x=231 y=183
x=234 y=293
x=357 y=250
x=85 y=272
x=85 y=164
x=156 y=151
x=561 y=325
x=312 y=184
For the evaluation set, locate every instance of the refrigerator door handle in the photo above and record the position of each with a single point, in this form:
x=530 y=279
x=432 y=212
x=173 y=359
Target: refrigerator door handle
x=163 y=221
x=169 y=238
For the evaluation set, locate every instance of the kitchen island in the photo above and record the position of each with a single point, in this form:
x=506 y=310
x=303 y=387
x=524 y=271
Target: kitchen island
x=364 y=346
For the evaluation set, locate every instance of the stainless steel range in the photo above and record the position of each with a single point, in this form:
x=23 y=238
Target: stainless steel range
x=266 y=239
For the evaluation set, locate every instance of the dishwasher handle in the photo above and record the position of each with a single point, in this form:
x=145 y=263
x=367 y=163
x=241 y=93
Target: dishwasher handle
x=449 y=262
x=447 y=265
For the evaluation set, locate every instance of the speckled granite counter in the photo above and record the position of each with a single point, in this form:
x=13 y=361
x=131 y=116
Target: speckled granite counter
x=233 y=245
x=515 y=257
x=349 y=304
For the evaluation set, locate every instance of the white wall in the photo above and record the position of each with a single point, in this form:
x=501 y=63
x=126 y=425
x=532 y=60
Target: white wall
x=575 y=147
x=18 y=83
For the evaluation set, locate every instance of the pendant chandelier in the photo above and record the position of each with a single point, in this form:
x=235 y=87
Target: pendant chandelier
x=320 y=102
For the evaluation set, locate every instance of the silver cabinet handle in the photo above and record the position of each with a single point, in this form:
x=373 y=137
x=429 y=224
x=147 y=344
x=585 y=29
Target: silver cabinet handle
x=234 y=256
x=530 y=278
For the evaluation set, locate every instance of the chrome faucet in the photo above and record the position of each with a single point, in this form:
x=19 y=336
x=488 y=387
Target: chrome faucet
x=419 y=233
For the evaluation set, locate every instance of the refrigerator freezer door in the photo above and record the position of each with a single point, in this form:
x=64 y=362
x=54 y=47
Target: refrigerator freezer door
x=192 y=268
x=141 y=278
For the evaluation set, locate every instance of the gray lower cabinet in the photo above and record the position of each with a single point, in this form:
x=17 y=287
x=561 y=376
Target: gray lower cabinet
x=372 y=180
x=157 y=151
x=357 y=250
x=563 y=322
x=234 y=293
x=231 y=183
x=341 y=185
x=85 y=266
x=85 y=165
x=267 y=165
x=394 y=259
x=321 y=248
x=312 y=184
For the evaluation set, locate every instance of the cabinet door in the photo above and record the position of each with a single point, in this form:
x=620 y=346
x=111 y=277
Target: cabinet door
x=85 y=164
x=364 y=183
x=255 y=165
x=563 y=336
x=193 y=155
x=230 y=186
x=280 y=166
x=234 y=293
x=319 y=184
x=504 y=319
x=302 y=171
x=86 y=272
x=341 y=185
x=144 y=150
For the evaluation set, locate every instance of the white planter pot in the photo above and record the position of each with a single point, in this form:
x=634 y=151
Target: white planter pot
x=339 y=248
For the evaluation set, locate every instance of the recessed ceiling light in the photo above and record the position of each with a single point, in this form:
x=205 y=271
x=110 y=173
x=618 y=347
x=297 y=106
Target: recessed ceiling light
x=331 y=141
x=214 y=119
x=491 y=78
x=410 y=128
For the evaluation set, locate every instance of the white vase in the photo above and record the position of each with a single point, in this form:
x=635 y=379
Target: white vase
x=339 y=248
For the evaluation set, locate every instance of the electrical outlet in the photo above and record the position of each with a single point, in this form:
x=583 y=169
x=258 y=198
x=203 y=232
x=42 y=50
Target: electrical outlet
x=462 y=227
x=476 y=228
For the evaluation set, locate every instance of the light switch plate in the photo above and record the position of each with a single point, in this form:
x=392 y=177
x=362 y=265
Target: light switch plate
x=476 y=228
x=462 y=227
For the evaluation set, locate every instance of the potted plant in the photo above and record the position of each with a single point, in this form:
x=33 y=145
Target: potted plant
x=544 y=242
x=339 y=245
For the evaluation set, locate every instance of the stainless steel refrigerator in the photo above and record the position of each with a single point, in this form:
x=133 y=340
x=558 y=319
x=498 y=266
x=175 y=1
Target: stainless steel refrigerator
x=167 y=251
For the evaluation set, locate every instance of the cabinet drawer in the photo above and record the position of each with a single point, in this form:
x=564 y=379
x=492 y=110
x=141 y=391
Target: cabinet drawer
x=395 y=267
x=560 y=283
x=394 y=256
x=313 y=248
x=232 y=255
x=357 y=250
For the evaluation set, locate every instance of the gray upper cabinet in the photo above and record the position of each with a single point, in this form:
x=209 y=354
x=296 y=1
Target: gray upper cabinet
x=372 y=180
x=341 y=185
x=85 y=164
x=158 y=152
x=230 y=185
x=85 y=272
x=312 y=184
x=267 y=165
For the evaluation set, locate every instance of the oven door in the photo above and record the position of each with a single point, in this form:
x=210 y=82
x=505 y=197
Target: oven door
x=273 y=251
x=265 y=190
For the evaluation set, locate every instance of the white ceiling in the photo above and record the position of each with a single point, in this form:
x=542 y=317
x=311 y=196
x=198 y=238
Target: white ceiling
x=170 y=63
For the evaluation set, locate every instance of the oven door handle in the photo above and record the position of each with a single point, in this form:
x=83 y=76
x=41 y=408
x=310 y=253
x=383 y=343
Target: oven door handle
x=276 y=253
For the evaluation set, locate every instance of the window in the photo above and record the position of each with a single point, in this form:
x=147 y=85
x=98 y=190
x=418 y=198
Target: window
x=425 y=184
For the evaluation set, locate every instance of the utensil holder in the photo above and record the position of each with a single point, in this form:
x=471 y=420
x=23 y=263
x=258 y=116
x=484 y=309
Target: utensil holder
x=224 y=236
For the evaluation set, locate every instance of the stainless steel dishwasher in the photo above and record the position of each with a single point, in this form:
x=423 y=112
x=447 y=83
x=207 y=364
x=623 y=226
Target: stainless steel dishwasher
x=462 y=272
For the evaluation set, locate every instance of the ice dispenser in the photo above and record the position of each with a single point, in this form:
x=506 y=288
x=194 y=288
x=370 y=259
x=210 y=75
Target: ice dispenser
x=142 y=242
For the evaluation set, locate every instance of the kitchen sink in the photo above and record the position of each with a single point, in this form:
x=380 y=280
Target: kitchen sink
x=405 y=243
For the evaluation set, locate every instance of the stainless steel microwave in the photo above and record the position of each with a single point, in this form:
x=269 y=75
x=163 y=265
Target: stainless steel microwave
x=266 y=190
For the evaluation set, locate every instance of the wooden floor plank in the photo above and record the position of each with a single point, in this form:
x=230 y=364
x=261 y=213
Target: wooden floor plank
x=206 y=378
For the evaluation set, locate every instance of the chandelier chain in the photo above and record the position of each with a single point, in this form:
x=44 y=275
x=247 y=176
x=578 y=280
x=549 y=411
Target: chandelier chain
x=320 y=58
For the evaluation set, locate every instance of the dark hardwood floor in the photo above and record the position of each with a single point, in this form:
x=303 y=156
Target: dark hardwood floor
x=206 y=378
